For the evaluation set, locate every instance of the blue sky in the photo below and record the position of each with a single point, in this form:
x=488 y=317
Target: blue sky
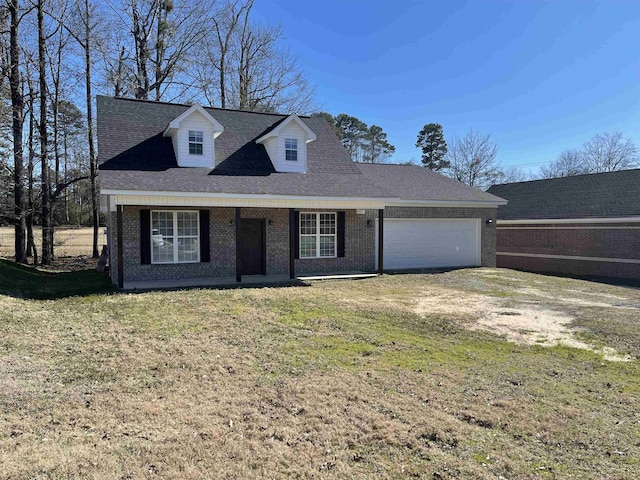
x=538 y=76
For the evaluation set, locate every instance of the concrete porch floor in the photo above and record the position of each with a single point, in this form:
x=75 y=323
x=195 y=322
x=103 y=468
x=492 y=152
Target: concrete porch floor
x=247 y=281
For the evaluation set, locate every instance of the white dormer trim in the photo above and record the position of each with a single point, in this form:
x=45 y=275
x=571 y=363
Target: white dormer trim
x=175 y=123
x=290 y=130
x=310 y=136
x=205 y=129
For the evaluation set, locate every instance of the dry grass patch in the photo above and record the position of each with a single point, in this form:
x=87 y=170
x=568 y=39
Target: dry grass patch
x=322 y=381
x=69 y=241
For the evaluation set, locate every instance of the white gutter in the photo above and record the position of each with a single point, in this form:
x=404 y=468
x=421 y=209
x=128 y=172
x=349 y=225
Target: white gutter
x=446 y=203
x=134 y=197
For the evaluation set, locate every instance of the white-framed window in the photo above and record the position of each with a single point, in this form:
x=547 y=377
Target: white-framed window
x=175 y=236
x=318 y=235
x=291 y=149
x=196 y=142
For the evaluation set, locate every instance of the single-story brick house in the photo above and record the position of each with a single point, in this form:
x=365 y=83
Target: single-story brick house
x=586 y=225
x=197 y=193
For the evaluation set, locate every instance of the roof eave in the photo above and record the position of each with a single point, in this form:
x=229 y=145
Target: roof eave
x=310 y=135
x=174 y=124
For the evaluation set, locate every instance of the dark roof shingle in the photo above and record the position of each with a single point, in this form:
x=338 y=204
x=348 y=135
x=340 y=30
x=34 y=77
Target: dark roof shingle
x=411 y=182
x=613 y=194
x=134 y=155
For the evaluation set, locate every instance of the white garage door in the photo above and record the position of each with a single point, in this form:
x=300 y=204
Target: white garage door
x=432 y=243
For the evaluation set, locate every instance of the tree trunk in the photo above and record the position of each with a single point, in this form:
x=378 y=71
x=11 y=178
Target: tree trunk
x=31 y=244
x=66 y=177
x=161 y=46
x=223 y=87
x=95 y=208
x=17 y=107
x=142 y=54
x=47 y=253
x=118 y=85
x=56 y=146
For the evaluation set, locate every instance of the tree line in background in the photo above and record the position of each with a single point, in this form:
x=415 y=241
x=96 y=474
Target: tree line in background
x=471 y=158
x=55 y=55
x=605 y=152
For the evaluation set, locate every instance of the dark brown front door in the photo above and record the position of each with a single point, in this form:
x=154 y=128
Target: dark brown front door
x=252 y=233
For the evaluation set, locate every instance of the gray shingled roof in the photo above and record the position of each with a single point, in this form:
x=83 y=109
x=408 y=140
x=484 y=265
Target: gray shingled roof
x=134 y=155
x=411 y=182
x=614 y=194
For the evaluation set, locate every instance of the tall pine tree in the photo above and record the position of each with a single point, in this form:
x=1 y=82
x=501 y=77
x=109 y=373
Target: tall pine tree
x=434 y=147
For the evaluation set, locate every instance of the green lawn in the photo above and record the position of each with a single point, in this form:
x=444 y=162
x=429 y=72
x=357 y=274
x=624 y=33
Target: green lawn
x=392 y=377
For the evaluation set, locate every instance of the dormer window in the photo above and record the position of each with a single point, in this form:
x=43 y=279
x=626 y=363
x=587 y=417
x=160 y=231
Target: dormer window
x=291 y=149
x=193 y=135
x=286 y=144
x=196 y=141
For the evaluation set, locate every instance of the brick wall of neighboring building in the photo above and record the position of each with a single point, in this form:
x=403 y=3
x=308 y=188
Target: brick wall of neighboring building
x=620 y=241
x=487 y=234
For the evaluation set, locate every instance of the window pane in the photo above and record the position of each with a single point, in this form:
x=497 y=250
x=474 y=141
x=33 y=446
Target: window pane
x=162 y=224
x=307 y=223
x=327 y=246
x=195 y=136
x=291 y=155
x=291 y=143
x=307 y=246
x=291 y=149
x=195 y=149
x=327 y=223
x=163 y=252
x=187 y=249
x=187 y=224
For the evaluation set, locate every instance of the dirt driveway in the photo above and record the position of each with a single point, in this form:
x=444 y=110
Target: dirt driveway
x=531 y=311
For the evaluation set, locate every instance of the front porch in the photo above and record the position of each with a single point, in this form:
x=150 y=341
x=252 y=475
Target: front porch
x=234 y=246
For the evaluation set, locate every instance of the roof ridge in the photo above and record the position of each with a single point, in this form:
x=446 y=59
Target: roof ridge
x=387 y=164
x=568 y=176
x=207 y=107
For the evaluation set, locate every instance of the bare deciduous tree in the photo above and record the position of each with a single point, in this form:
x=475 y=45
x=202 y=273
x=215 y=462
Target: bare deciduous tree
x=82 y=27
x=268 y=78
x=160 y=48
x=215 y=58
x=47 y=235
x=473 y=159
x=608 y=152
x=568 y=163
x=512 y=174
x=17 y=112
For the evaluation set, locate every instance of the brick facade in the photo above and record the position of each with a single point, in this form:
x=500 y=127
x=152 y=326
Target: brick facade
x=360 y=239
x=359 y=247
x=619 y=241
